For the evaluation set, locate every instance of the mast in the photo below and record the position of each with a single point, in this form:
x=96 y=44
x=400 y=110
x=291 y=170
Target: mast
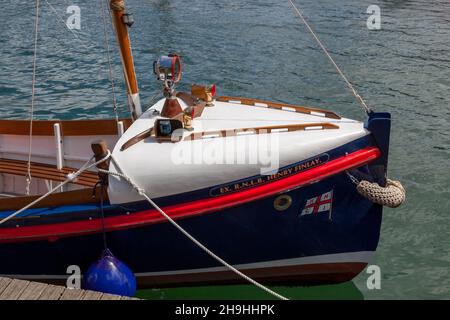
x=121 y=20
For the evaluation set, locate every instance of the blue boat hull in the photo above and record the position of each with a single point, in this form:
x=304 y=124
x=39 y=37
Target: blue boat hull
x=249 y=234
x=301 y=244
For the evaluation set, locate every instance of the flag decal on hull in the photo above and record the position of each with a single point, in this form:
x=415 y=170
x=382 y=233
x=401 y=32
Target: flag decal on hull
x=321 y=203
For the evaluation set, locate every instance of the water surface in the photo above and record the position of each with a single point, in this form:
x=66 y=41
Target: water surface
x=258 y=48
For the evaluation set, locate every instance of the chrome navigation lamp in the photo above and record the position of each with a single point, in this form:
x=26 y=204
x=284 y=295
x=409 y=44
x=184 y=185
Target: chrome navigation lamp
x=168 y=69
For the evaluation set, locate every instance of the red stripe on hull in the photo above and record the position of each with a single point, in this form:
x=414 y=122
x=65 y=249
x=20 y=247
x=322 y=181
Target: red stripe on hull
x=54 y=231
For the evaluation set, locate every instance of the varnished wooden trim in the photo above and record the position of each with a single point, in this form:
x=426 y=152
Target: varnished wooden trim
x=68 y=127
x=46 y=171
x=81 y=196
x=139 y=137
x=276 y=105
x=260 y=130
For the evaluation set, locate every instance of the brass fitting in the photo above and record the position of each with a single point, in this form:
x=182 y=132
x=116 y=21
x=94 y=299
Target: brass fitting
x=203 y=92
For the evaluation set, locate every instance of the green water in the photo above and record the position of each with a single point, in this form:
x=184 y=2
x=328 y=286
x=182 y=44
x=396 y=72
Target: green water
x=257 y=48
x=346 y=291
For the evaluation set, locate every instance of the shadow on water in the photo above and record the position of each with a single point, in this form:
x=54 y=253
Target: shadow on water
x=343 y=291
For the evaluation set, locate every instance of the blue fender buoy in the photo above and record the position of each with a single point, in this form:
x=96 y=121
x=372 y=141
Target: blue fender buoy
x=110 y=275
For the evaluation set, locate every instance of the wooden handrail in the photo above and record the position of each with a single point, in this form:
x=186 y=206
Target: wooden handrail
x=279 y=106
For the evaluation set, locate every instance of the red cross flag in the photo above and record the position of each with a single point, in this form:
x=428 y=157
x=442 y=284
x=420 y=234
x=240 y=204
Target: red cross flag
x=318 y=204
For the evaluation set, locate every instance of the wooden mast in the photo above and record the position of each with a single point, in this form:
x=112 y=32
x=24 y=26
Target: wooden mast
x=118 y=11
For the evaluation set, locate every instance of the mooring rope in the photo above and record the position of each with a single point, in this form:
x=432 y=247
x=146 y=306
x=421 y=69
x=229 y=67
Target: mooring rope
x=33 y=93
x=341 y=73
x=73 y=176
x=142 y=193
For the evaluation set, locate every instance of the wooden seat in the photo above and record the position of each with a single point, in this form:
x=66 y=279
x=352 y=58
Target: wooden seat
x=74 y=197
x=46 y=171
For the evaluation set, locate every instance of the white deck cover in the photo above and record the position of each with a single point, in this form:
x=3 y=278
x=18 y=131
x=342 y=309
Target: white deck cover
x=166 y=168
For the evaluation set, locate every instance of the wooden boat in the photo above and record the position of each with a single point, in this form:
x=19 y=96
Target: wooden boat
x=298 y=220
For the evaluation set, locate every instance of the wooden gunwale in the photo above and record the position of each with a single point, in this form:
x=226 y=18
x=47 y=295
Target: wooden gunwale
x=279 y=106
x=68 y=127
x=260 y=130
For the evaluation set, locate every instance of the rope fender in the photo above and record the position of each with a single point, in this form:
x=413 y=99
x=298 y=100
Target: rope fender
x=392 y=195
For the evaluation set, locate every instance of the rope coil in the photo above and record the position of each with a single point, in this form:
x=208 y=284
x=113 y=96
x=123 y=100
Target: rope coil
x=392 y=195
x=118 y=5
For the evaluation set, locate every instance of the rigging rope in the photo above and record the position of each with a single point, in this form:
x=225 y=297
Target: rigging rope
x=111 y=73
x=61 y=18
x=33 y=86
x=350 y=86
x=84 y=43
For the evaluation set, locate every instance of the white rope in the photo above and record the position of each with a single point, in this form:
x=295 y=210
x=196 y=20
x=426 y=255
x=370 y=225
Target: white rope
x=187 y=234
x=111 y=72
x=74 y=175
x=70 y=177
x=33 y=85
x=85 y=42
x=352 y=89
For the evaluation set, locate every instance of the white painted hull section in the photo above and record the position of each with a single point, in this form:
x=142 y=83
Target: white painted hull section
x=161 y=170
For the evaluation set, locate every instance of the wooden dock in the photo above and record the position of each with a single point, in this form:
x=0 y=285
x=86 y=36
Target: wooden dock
x=15 y=289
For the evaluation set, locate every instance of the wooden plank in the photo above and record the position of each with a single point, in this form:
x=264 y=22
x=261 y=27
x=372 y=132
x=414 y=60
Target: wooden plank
x=14 y=289
x=68 y=127
x=41 y=168
x=80 y=196
x=48 y=176
x=72 y=294
x=128 y=298
x=33 y=291
x=107 y=296
x=4 y=283
x=51 y=292
x=46 y=171
x=91 y=295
